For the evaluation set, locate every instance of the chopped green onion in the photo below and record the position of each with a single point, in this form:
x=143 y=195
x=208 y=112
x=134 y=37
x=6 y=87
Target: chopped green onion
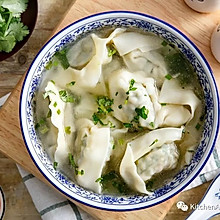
x=120 y=106
x=66 y=97
x=71 y=160
x=55 y=104
x=131 y=88
x=68 y=130
x=111 y=52
x=55 y=164
x=142 y=112
x=62 y=58
x=128 y=125
x=164 y=43
x=71 y=83
x=121 y=141
x=49 y=113
x=49 y=65
x=52 y=81
x=58 y=111
x=163 y=104
x=41 y=126
x=152 y=124
x=111 y=49
x=46 y=94
x=99 y=180
x=79 y=172
x=155 y=141
x=168 y=76
x=198 y=126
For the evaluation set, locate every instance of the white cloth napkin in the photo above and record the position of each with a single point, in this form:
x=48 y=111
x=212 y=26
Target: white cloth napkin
x=53 y=206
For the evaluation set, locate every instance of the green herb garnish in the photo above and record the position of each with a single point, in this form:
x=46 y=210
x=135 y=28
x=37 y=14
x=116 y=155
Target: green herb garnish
x=179 y=66
x=99 y=180
x=163 y=104
x=120 y=106
x=111 y=49
x=155 y=141
x=46 y=94
x=168 y=76
x=49 y=113
x=114 y=181
x=152 y=124
x=96 y=119
x=111 y=52
x=71 y=161
x=121 y=141
x=164 y=43
x=62 y=58
x=55 y=104
x=131 y=86
x=68 y=130
x=198 y=126
x=58 y=111
x=12 y=30
x=142 y=112
x=66 y=96
x=74 y=166
x=41 y=126
x=52 y=81
x=128 y=125
x=71 y=83
x=104 y=108
x=55 y=164
x=149 y=185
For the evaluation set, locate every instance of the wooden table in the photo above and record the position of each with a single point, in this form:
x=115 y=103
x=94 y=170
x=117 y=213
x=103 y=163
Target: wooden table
x=18 y=202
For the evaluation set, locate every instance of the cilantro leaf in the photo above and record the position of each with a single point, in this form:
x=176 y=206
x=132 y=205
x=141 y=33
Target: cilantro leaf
x=62 y=58
x=16 y=7
x=12 y=29
x=7 y=43
x=41 y=126
x=67 y=97
x=19 y=30
x=142 y=112
x=131 y=86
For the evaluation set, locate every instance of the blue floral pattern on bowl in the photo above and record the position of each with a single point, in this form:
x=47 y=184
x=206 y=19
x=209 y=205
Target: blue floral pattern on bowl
x=70 y=34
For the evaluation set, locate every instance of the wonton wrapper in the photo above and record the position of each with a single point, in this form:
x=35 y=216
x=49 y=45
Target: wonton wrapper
x=141 y=146
x=94 y=149
x=60 y=121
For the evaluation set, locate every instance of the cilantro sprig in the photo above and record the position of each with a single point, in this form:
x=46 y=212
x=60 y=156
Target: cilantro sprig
x=74 y=166
x=66 y=96
x=59 y=57
x=142 y=112
x=12 y=30
x=104 y=108
x=111 y=49
x=114 y=182
x=131 y=86
x=41 y=126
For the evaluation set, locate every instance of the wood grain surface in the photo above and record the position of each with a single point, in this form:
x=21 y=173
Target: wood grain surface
x=197 y=27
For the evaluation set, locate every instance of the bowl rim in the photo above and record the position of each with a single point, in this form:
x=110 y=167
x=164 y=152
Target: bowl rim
x=208 y=151
x=2 y=201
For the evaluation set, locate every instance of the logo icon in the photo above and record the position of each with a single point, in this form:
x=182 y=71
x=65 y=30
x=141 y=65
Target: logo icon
x=182 y=205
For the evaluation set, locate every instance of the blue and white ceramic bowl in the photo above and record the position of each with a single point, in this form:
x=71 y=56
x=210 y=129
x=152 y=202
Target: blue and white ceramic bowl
x=70 y=34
